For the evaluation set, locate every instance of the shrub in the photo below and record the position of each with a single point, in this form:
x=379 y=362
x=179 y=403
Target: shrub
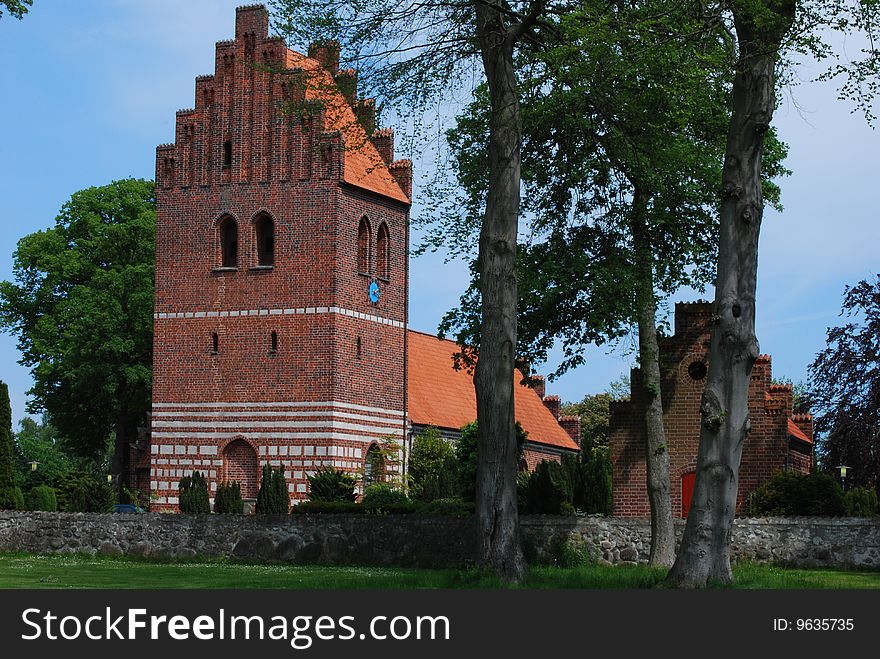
x=327 y=508
x=273 y=497
x=547 y=488
x=382 y=496
x=590 y=478
x=790 y=494
x=571 y=553
x=432 y=467
x=448 y=508
x=43 y=498
x=82 y=492
x=17 y=498
x=8 y=498
x=466 y=458
x=227 y=500
x=331 y=484
x=439 y=508
x=193 y=494
x=861 y=502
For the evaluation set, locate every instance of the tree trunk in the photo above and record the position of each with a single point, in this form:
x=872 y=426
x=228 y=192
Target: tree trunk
x=656 y=452
x=704 y=554
x=497 y=518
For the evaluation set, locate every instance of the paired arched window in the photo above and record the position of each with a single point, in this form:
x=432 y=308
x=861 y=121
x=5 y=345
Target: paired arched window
x=363 y=246
x=383 y=253
x=228 y=242
x=264 y=229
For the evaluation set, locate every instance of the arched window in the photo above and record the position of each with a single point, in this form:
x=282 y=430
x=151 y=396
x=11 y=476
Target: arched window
x=383 y=254
x=265 y=238
x=364 y=240
x=229 y=242
x=374 y=466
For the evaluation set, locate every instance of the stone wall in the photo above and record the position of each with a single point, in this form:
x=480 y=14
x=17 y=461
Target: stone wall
x=415 y=540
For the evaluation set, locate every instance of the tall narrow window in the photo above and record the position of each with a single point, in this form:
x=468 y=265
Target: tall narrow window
x=273 y=343
x=364 y=240
x=383 y=254
x=229 y=242
x=215 y=343
x=227 y=154
x=265 y=235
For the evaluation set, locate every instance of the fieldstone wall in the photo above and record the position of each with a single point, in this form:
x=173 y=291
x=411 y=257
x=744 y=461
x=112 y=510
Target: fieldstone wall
x=416 y=540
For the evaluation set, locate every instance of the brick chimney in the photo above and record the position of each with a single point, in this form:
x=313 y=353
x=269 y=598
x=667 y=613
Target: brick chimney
x=383 y=140
x=401 y=170
x=252 y=19
x=571 y=423
x=552 y=403
x=327 y=54
x=538 y=383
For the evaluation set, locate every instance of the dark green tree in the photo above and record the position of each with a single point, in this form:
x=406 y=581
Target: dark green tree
x=16 y=8
x=227 y=499
x=36 y=442
x=432 y=467
x=82 y=308
x=10 y=495
x=193 y=494
x=332 y=484
x=273 y=497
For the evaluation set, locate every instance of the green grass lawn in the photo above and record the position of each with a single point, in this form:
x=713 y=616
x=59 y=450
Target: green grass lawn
x=29 y=571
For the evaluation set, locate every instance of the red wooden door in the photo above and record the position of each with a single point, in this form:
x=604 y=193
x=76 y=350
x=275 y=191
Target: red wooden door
x=687 y=491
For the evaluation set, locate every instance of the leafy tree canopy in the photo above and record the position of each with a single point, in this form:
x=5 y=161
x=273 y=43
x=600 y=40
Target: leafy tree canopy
x=82 y=308
x=16 y=8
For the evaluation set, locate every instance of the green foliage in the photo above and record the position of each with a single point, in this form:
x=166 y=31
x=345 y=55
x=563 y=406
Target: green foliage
x=227 y=499
x=7 y=456
x=438 y=508
x=790 y=494
x=82 y=309
x=572 y=553
x=547 y=489
x=382 y=496
x=17 y=499
x=83 y=492
x=590 y=477
x=193 y=494
x=16 y=8
x=41 y=497
x=594 y=412
x=466 y=458
x=36 y=441
x=861 y=502
x=432 y=467
x=331 y=484
x=273 y=497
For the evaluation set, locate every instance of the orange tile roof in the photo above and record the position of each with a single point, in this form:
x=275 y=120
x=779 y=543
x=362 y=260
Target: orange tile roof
x=794 y=431
x=364 y=166
x=443 y=397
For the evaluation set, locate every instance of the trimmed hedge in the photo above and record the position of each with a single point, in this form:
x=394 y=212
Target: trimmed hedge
x=381 y=495
x=787 y=494
x=438 y=508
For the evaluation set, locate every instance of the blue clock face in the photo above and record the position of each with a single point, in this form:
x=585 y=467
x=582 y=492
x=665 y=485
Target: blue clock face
x=375 y=293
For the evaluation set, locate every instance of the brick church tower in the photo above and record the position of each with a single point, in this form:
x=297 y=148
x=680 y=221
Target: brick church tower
x=281 y=272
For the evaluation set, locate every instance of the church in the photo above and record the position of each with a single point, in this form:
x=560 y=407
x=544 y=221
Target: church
x=281 y=330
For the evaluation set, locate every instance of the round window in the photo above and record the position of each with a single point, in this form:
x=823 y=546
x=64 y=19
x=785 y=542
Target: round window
x=697 y=370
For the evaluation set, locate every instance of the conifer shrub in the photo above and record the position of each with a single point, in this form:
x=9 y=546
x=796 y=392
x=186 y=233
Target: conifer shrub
x=383 y=496
x=789 y=494
x=861 y=502
x=227 y=499
x=41 y=497
x=546 y=489
x=83 y=492
x=17 y=498
x=331 y=484
x=9 y=500
x=273 y=498
x=193 y=494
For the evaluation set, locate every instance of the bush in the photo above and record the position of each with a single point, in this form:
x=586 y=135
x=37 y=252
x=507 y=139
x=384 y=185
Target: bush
x=547 y=488
x=193 y=494
x=590 y=478
x=331 y=484
x=82 y=492
x=789 y=494
x=382 y=496
x=439 y=508
x=432 y=467
x=273 y=497
x=448 y=508
x=227 y=500
x=43 y=498
x=466 y=458
x=17 y=498
x=861 y=502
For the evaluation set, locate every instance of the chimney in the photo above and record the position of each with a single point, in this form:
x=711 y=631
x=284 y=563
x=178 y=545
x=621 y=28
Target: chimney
x=383 y=140
x=571 y=423
x=327 y=55
x=252 y=19
x=401 y=170
x=552 y=403
x=347 y=82
x=538 y=383
x=365 y=110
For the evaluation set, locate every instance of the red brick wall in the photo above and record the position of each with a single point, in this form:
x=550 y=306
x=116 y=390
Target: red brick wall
x=766 y=450
x=336 y=381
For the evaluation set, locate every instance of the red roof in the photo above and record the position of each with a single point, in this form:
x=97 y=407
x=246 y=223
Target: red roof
x=794 y=431
x=364 y=166
x=443 y=397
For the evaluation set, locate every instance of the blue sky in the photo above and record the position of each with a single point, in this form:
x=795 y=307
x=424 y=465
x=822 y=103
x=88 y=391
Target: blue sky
x=91 y=87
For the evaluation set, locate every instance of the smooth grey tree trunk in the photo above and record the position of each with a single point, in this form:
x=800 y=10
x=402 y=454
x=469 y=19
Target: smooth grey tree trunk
x=656 y=451
x=704 y=554
x=497 y=518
